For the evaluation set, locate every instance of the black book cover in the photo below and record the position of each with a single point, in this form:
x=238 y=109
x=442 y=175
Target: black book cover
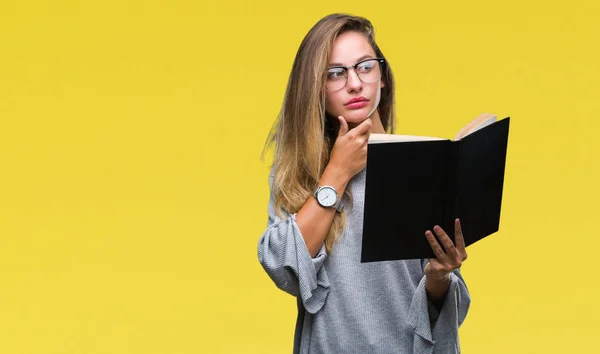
x=412 y=186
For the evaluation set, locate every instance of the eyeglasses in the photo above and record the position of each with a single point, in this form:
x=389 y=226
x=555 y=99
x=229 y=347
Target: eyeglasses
x=368 y=71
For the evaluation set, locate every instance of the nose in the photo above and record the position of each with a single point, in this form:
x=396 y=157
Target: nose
x=354 y=83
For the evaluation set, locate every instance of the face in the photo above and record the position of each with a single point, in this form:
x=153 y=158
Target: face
x=350 y=48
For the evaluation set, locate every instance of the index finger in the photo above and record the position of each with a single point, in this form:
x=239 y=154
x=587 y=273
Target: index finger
x=444 y=238
x=363 y=127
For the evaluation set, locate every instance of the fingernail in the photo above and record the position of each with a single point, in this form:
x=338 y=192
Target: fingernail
x=437 y=228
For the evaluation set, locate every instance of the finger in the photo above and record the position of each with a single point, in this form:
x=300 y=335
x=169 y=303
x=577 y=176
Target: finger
x=435 y=246
x=459 y=239
x=435 y=269
x=343 y=126
x=433 y=264
x=363 y=127
x=446 y=241
x=367 y=134
x=458 y=235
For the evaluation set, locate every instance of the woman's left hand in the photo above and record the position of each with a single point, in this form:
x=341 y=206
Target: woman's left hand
x=439 y=268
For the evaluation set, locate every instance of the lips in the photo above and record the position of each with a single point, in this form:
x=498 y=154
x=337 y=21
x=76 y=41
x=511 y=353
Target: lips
x=356 y=103
x=356 y=100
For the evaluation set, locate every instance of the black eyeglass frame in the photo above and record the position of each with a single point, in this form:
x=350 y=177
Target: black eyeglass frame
x=381 y=62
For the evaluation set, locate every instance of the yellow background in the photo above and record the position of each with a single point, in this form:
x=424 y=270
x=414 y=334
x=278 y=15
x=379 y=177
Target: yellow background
x=132 y=196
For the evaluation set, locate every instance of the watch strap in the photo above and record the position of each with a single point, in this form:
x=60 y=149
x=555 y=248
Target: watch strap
x=339 y=206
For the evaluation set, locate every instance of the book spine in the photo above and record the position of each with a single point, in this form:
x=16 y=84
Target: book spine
x=452 y=170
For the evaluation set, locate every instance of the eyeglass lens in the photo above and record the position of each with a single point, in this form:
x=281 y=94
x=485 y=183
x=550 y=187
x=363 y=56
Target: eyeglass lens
x=368 y=71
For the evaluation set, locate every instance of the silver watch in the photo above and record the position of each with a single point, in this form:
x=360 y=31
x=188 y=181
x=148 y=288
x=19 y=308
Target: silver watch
x=327 y=197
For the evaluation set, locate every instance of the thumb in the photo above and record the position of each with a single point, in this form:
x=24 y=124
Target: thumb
x=343 y=126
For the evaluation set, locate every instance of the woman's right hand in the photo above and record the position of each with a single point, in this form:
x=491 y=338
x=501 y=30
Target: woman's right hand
x=349 y=154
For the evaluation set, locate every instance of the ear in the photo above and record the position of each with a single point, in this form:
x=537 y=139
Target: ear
x=382 y=84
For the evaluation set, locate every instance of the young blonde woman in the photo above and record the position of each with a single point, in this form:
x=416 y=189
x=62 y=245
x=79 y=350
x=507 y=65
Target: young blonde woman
x=340 y=90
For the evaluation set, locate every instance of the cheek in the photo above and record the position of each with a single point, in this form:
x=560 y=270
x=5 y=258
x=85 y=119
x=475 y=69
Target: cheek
x=377 y=95
x=377 y=89
x=332 y=103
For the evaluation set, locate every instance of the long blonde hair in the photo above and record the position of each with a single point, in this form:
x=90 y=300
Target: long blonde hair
x=304 y=133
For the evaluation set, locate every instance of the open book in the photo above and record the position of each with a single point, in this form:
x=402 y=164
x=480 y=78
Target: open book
x=482 y=121
x=416 y=182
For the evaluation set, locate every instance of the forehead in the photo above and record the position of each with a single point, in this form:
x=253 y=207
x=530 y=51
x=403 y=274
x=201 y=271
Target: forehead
x=350 y=46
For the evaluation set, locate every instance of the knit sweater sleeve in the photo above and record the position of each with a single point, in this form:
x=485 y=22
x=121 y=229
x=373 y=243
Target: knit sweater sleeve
x=284 y=256
x=438 y=331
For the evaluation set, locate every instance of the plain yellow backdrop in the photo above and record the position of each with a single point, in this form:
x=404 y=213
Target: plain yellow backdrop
x=132 y=196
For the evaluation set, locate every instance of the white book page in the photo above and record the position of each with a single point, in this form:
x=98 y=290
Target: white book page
x=483 y=124
x=389 y=138
x=482 y=121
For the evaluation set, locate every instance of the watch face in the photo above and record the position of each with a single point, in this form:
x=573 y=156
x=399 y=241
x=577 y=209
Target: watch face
x=327 y=196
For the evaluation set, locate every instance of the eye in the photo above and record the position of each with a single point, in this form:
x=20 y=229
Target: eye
x=335 y=73
x=366 y=66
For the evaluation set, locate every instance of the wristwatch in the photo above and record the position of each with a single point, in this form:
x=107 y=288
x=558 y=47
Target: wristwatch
x=327 y=197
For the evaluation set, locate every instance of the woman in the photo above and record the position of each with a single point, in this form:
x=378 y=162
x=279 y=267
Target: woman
x=340 y=90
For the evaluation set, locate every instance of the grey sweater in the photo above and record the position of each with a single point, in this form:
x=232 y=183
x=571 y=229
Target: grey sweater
x=345 y=306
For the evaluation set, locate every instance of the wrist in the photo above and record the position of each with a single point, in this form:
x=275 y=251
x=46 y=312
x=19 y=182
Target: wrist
x=333 y=172
x=438 y=278
x=334 y=178
x=436 y=291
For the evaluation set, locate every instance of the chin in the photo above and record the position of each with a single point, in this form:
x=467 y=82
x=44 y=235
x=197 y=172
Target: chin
x=357 y=115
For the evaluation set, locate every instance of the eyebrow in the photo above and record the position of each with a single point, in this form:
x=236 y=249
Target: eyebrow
x=367 y=56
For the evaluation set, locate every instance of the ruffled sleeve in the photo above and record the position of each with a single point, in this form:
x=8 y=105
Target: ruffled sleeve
x=283 y=254
x=437 y=332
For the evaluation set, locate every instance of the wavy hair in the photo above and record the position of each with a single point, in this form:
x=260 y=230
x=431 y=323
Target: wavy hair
x=304 y=133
